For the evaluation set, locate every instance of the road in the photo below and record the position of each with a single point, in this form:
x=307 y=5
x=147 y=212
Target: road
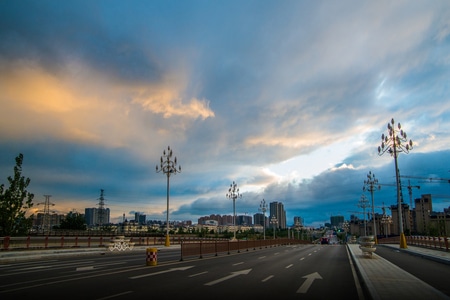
x=434 y=273
x=286 y=272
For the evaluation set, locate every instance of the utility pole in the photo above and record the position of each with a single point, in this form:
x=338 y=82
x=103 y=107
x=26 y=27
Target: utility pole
x=101 y=209
x=46 y=226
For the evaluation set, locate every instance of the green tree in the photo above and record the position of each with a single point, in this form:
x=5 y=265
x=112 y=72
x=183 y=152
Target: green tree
x=73 y=221
x=14 y=202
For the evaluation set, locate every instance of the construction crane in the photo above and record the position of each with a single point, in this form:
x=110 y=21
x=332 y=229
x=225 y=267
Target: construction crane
x=426 y=178
x=440 y=196
x=409 y=187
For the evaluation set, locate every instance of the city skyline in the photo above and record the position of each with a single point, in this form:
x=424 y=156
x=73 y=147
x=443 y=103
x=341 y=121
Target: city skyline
x=288 y=100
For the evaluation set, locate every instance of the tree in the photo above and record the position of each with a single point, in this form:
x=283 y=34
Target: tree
x=73 y=221
x=14 y=202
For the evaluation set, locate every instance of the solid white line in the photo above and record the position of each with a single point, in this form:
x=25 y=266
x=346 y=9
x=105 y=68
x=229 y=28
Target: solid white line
x=267 y=278
x=355 y=277
x=85 y=268
x=116 y=295
x=193 y=275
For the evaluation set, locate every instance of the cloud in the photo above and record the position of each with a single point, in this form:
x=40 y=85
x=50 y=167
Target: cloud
x=287 y=99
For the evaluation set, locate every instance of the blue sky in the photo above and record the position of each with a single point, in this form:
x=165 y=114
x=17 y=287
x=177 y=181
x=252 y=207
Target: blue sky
x=289 y=99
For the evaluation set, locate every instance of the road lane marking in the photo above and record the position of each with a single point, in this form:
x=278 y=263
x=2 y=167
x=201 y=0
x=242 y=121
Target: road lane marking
x=161 y=272
x=237 y=264
x=267 y=278
x=288 y=266
x=233 y=274
x=85 y=268
x=309 y=280
x=193 y=275
x=115 y=295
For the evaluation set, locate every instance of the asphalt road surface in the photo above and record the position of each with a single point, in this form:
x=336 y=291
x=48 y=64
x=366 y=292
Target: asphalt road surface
x=284 y=272
x=436 y=274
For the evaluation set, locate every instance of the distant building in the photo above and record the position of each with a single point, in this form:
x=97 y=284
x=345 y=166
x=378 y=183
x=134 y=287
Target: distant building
x=260 y=219
x=298 y=221
x=244 y=220
x=337 y=221
x=277 y=211
x=140 y=218
x=42 y=220
x=92 y=216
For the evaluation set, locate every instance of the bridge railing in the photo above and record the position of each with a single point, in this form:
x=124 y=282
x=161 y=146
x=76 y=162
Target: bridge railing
x=201 y=248
x=46 y=242
x=432 y=242
x=209 y=245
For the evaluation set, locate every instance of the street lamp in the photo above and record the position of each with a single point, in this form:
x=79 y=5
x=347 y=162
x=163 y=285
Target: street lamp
x=168 y=166
x=386 y=220
x=363 y=203
x=274 y=221
x=371 y=184
x=263 y=208
x=394 y=143
x=233 y=193
x=297 y=227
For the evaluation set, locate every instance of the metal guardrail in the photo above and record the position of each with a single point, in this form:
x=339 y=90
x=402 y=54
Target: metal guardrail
x=200 y=248
x=63 y=242
x=432 y=242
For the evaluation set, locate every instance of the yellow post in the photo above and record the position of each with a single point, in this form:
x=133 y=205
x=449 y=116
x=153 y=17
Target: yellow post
x=152 y=256
x=403 y=241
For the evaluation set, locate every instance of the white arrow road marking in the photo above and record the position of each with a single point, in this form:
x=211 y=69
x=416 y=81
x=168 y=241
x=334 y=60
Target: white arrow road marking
x=309 y=280
x=233 y=274
x=162 y=272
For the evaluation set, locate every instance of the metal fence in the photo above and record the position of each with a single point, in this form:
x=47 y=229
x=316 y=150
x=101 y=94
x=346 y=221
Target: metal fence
x=201 y=248
x=62 y=242
x=432 y=242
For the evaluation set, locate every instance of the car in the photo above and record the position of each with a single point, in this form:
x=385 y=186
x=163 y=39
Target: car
x=324 y=240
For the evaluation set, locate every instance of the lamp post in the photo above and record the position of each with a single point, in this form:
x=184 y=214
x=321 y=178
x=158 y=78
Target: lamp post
x=233 y=193
x=371 y=184
x=263 y=208
x=363 y=203
x=274 y=221
x=386 y=220
x=297 y=227
x=394 y=143
x=168 y=167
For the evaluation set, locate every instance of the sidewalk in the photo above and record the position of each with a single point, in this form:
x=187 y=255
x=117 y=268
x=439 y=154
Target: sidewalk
x=384 y=280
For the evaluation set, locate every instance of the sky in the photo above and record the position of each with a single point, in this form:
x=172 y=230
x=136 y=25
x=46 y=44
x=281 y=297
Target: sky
x=288 y=99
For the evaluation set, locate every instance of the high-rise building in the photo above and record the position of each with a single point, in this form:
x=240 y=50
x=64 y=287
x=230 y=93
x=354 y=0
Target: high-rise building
x=422 y=208
x=337 y=221
x=298 y=221
x=259 y=219
x=92 y=216
x=277 y=211
x=140 y=218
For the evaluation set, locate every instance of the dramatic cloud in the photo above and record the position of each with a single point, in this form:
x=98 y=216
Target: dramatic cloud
x=288 y=99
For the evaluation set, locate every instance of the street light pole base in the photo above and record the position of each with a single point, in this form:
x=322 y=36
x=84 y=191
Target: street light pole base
x=403 y=241
x=167 y=243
